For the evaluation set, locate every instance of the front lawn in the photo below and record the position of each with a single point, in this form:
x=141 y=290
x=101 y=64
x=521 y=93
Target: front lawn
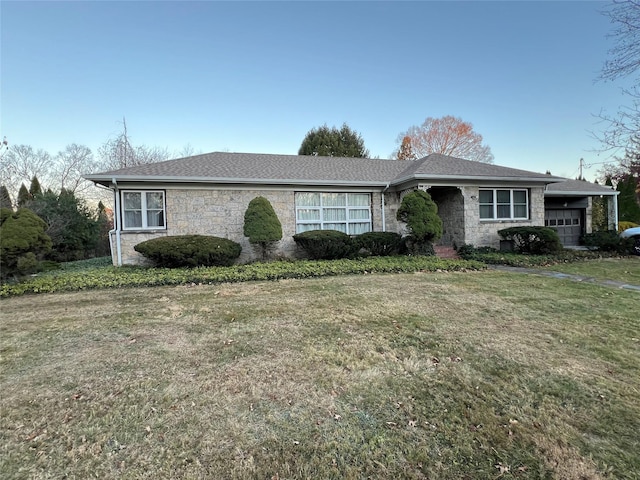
x=476 y=375
x=626 y=269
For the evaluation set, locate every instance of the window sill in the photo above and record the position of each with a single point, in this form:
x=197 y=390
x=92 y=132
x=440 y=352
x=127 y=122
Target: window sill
x=505 y=220
x=143 y=230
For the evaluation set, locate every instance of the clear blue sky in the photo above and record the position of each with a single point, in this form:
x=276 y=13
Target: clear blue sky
x=257 y=76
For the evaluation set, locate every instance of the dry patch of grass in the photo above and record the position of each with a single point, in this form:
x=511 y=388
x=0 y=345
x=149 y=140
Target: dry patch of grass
x=625 y=269
x=448 y=376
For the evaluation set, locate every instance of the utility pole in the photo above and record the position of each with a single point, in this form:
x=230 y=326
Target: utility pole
x=581 y=165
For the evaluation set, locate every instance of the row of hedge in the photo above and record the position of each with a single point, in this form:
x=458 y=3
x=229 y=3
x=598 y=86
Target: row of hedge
x=202 y=250
x=118 y=277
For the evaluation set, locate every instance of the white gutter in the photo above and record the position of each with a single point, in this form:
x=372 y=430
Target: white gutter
x=116 y=223
x=615 y=212
x=384 y=221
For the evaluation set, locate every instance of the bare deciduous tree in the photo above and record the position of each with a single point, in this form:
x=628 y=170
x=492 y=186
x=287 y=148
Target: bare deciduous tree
x=21 y=163
x=71 y=163
x=118 y=152
x=448 y=135
x=624 y=61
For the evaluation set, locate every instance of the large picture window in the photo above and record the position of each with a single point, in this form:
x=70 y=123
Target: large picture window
x=143 y=210
x=504 y=204
x=347 y=212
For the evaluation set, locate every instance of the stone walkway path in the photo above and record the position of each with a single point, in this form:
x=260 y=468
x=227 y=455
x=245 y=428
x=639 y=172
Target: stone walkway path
x=568 y=276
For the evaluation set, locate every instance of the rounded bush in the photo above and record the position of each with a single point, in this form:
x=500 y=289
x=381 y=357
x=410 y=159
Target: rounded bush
x=190 y=251
x=325 y=244
x=379 y=244
x=533 y=240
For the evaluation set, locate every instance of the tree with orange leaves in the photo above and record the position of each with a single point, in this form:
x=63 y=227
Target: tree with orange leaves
x=448 y=135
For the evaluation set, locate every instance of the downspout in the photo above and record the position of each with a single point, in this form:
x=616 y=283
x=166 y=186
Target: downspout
x=384 y=221
x=116 y=223
x=615 y=212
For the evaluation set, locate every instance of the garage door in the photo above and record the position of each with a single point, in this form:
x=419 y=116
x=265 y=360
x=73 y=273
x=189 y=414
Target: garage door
x=567 y=222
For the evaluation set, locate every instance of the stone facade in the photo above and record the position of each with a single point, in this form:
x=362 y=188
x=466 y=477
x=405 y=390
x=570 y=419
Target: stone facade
x=483 y=233
x=220 y=212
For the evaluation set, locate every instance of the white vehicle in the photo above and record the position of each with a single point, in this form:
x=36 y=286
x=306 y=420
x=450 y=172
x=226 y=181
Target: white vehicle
x=635 y=234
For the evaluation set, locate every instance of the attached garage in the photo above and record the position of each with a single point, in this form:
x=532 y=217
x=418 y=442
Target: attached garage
x=568 y=208
x=568 y=222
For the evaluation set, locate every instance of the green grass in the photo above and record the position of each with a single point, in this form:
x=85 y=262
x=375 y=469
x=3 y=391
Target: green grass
x=476 y=375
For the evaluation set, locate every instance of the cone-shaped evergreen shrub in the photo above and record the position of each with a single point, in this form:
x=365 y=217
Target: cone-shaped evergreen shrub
x=23 y=196
x=261 y=224
x=5 y=198
x=420 y=213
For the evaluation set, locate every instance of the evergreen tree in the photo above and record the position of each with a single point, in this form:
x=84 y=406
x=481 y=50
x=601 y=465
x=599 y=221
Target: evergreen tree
x=5 y=198
x=24 y=197
x=331 y=142
x=261 y=224
x=628 y=207
x=420 y=213
x=23 y=241
x=35 y=188
x=70 y=223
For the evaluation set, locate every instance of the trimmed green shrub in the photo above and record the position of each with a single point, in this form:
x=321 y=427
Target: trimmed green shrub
x=190 y=251
x=261 y=224
x=420 y=213
x=532 y=240
x=379 y=244
x=609 y=241
x=326 y=244
x=22 y=241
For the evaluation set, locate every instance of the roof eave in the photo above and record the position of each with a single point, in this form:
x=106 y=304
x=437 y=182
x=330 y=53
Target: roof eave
x=474 y=178
x=578 y=193
x=108 y=179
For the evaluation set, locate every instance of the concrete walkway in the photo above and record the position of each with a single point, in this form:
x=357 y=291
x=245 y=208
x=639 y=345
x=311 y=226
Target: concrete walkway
x=567 y=276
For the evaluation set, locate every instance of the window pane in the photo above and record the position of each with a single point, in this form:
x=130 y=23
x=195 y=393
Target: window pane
x=486 y=196
x=307 y=199
x=335 y=226
x=334 y=214
x=132 y=201
x=520 y=211
x=155 y=218
x=358 y=200
x=519 y=196
x=358 y=228
x=308 y=214
x=154 y=201
x=305 y=227
x=359 y=214
x=133 y=218
x=486 y=211
x=503 y=196
x=504 y=211
x=334 y=199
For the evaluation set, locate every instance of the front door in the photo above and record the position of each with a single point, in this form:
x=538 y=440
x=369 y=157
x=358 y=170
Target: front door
x=567 y=222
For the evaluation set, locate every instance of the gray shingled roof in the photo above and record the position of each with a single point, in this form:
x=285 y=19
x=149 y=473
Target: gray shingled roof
x=223 y=167
x=578 y=187
x=262 y=168
x=436 y=166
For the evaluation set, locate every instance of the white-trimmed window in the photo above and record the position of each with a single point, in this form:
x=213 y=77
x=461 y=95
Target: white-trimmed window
x=143 y=210
x=347 y=212
x=504 y=204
